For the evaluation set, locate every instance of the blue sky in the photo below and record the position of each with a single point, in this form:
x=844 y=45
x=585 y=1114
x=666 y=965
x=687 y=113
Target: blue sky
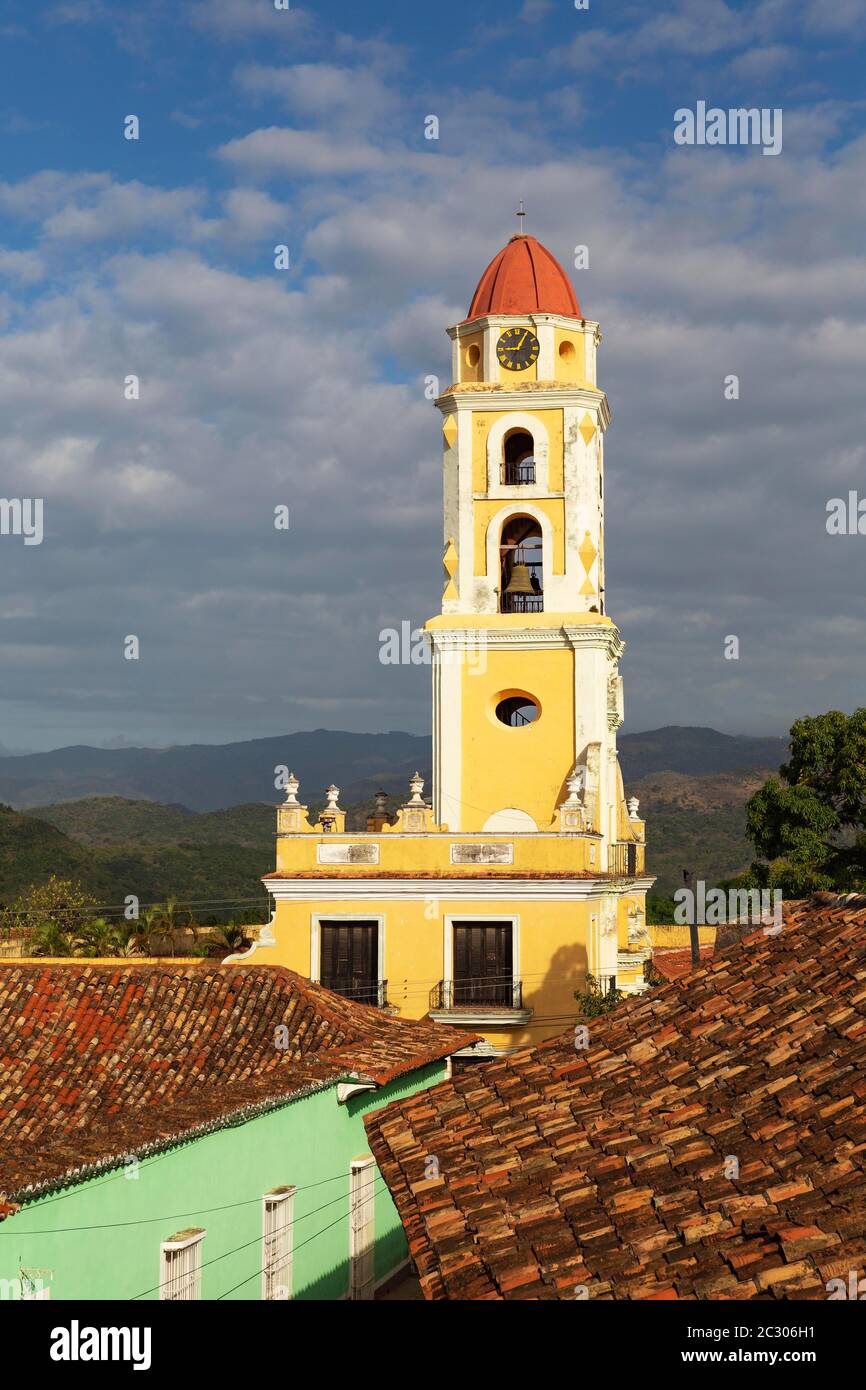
x=155 y=257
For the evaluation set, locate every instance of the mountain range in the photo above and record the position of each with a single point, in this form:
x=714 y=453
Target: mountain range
x=161 y=823
x=209 y=777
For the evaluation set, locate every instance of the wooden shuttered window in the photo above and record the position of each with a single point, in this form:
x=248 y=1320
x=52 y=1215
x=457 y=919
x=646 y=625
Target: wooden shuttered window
x=483 y=963
x=350 y=959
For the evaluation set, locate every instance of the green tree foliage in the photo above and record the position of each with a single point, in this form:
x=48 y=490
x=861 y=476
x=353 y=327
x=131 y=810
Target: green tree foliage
x=61 y=904
x=595 y=1001
x=808 y=825
x=659 y=909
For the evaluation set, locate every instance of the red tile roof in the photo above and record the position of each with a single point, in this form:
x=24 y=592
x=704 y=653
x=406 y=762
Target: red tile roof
x=524 y=278
x=674 y=961
x=98 y=1061
x=609 y=1168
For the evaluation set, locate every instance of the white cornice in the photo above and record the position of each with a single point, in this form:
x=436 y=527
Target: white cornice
x=471 y=326
x=528 y=398
x=601 y=636
x=492 y=889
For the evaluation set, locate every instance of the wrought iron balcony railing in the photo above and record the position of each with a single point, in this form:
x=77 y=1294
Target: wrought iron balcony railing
x=622 y=858
x=494 y=992
x=374 y=994
x=522 y=603
x=517 y=474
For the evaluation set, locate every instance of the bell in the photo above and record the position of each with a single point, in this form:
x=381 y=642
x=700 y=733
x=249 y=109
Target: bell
x=520 y=581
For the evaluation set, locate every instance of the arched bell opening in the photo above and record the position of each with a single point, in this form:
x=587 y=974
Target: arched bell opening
x=521 y=588
x=518 y=458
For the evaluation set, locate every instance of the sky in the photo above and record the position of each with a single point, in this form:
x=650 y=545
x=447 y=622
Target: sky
x=305 y=387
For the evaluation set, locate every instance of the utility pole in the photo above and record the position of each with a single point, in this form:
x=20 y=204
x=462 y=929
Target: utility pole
x=688 y=882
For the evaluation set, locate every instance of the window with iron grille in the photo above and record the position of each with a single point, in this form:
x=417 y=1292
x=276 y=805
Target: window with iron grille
x=180 y=1266
x=277 y=1220
x=350 y=959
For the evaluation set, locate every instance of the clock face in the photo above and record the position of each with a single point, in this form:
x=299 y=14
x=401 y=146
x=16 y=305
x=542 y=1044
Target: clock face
x=517 y=349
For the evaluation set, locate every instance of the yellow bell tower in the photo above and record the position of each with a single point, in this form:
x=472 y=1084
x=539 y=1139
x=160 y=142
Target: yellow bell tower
x=525 y=879
x=526 y=687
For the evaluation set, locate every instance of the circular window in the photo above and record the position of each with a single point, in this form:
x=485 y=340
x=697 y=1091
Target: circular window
x=517 y=711
x=567 y=351
x=473 y=355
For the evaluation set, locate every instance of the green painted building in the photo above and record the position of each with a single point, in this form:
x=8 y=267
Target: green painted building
x=194 y=1131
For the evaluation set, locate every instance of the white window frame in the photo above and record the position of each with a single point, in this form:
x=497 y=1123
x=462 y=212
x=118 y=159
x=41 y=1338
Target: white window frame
x=362 y=1228
x=374 y=918
x=180 y=1267
x=278 y=1215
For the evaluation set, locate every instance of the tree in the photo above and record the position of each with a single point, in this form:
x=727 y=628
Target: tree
x=61 y=905
x=808 y=825
x=595 y=1001
x=101 y=938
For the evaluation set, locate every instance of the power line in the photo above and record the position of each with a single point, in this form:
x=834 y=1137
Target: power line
x=145 y=1220
x=259 y=1272
x=246 y=1245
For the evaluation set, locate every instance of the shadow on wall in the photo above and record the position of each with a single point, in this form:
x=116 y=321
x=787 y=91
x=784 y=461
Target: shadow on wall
x=333 y=1284
x=553 y=999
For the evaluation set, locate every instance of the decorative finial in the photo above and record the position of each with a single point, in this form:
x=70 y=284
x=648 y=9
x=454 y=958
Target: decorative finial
x=633 y=808
x=416 y=787
x=333 y=795
x=292 y=785
x=520 y=216
x=575 y=783
x=381 y=805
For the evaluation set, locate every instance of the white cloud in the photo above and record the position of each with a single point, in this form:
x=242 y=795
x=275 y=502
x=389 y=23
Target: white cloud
x=307 y=389
x=277 y=150
x=121 y=209
x=322 y=91
x=22 y=267
x=237 y=19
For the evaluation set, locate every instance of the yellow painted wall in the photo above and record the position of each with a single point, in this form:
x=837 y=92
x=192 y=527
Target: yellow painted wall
x=572 y=368
x=468 y=372
x=674 y=936
x=553 y=507
x=552 y=962
x=543 y=751
x=482 y=423
x=431 y=853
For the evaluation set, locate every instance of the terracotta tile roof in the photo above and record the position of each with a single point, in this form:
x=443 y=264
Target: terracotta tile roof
x=98 y=1061
x=524 y=278
x=607 y=1167
x=674 y=961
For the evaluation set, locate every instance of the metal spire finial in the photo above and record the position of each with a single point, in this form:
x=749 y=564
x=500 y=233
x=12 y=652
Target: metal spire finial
x=520 y=222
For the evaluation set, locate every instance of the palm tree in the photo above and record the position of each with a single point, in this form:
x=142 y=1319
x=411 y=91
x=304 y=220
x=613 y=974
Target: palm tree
x=101 y=938
x=172 y=918
x=49 y=939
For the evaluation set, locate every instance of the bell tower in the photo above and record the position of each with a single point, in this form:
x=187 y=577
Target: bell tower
x=526 y=689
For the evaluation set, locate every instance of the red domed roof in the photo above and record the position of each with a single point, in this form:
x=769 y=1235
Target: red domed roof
x=524 y=279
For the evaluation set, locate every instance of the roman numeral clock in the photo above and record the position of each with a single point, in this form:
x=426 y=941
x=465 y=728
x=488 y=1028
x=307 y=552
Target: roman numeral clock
x=517 y=349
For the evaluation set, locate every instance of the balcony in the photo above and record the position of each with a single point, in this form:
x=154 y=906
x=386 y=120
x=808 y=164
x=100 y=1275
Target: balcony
x=622 y=859
x=375 y=994
x=518 y=474
x=492 y=1001
x=606 y=982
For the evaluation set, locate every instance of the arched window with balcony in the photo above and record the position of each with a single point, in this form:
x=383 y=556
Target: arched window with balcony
x=521 y=559
x=518 y=458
